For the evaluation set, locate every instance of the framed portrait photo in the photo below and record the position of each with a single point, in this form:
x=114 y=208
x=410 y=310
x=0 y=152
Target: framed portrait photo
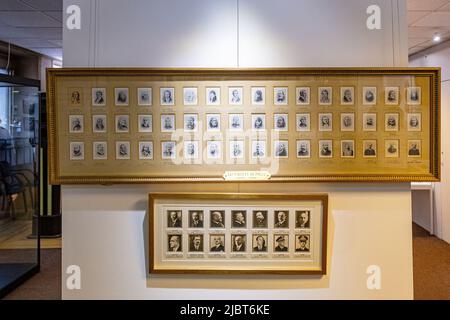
x=391 y=96
x=236 y=122
x=258 y=149
x=347 y=148
x=76 y=97
x=303 y=122
x=100 y=150
x=280 y=96
x=347 y=122
x=123 y=151
x=167 y=96
x=391 y=148
x=144 y=97
x=121 y=96
x=145 y=150
x=213 y=122
x=325 y=96
x=167 y=123
x=259 y=122
x=145 y=123
x=325 y=122
x=414 y=121
x=99 y=123
x=76 y=124
x=325 y=148
x=347 y=96
x=369 y=122
x=303 y=148
x=303 y=96
x=214 y=149
x=235 y=96
x=391 y=122
x=76 y=150
x=98 y=97
x=191 y=149
x=122 y=123
x=414 y=95
x=281 y=122
x=236 y=149
x=414 y=148
x=258 y=96
x=369 y=148
x=190 y=96
x=213 y=96
x=281 y=149
x=190 y=122
x=369 y=96
x=168 y=150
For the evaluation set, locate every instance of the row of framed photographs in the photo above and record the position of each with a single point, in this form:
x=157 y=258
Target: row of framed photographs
x=258 y=96
x=236 y=149
x=238 y=243
x=238 y=219
x=191 y=122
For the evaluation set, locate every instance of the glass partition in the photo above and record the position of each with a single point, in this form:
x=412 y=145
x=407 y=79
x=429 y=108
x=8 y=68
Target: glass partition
x=19 y=183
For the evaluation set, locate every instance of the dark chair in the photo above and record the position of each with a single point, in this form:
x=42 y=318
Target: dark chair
x=10 y=185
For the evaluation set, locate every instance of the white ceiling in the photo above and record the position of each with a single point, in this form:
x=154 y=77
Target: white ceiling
x=33 y=24
x=37 y=24
x=427 y=18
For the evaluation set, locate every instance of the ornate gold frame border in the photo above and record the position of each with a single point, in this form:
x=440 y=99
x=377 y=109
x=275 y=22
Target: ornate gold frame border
x=323 y=198
x=435 y=155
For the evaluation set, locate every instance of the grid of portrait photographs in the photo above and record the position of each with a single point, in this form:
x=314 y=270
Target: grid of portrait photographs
x=236 y=232
x=358 y=114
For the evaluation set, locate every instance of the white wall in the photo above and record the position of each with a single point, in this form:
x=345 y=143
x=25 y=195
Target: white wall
x=105 y=228
x=439 y=56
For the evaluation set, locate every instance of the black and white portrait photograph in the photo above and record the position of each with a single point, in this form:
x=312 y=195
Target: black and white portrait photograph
x=99 y=97
x=302 y=96
x=191 y=122
x=174 y=243
x=280 y=121
x=260 y=219
x=238 y=243
x=75 y=97
x=348 y=148
x=325 y=148
x=123 y=150
x=238 y=219
x=168 y=150
x=369 y=148
x=347 y=122
x=121 y=96
x=190 y=149
x=195 y=242
x=236 y=122
x=258 y=96
x=414 y=148
x=280 y=243
x=235 y=96
x=214 y=149
x=99 y=123
x=369 y=122
x=196 y=218
x=302 y=219
x=213 y=122
x=369 y=96
x=258 y=149
x=414 y=95
x=258 y=122
x=391 y=95
x=325 y=122
x=281 y=148
x=303 y=148
x=347 y=96
x=145 y=123
x=325 y=96
x=391 y=148
x=259 y=243
x=190 y=96
x=99 y=150
x=167 y=96
x=167 y=122
x=281 y=219
x=76 y=124
x=217 y=219
x=122 y=123
x=280 y=96
x=76 y=150
x=217 y=243
x=174 y=219
x=391 y=122
x=213 y=96
x=302 y=243
x=145 y=150
x=414 y=121
x=303 y=122
x=144 y=96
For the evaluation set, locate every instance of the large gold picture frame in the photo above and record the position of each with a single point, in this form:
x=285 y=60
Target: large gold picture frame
x=238 y=233
x=121 y=125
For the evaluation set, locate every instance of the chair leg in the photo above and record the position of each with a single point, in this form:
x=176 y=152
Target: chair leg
x=24 y=195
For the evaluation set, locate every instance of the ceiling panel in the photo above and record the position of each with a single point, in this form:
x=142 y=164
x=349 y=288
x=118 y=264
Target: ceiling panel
x=27 y=19
x=435 y=19
x=413 y=16
x=44 y=5
x=39 y=33
x=426 y=4
x=13 y=5
x=34 y=43
x=425 y=32
x=412 y=42
x=55 y=15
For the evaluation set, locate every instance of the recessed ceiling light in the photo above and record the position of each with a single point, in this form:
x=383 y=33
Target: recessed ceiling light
x=436 y=38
